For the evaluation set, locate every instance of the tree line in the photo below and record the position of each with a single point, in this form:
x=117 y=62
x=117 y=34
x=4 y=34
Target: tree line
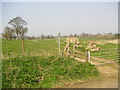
x=18 y=31
x=83 y=35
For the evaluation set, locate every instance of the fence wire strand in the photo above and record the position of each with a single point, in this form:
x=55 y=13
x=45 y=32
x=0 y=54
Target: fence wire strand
x=110 y=54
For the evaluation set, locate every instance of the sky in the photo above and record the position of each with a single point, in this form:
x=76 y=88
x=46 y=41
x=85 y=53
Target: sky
x=50 y=18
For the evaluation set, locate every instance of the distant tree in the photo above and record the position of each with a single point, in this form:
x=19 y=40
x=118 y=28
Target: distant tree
x=51 y=36
x=48 y=36
x=71 y=35
x=18 y=24
x=75 y=35
x=42 y=36
x=31 y=37
x=8 y=33
x=83 y=34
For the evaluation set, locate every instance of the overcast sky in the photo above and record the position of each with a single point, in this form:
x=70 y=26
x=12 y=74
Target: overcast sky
x=64 y=17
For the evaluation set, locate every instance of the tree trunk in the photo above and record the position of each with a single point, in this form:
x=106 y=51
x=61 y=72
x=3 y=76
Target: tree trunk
x=23 y=49
x=17 y=38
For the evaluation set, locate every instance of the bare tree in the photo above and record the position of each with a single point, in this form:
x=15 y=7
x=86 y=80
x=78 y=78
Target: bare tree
x=18 y=24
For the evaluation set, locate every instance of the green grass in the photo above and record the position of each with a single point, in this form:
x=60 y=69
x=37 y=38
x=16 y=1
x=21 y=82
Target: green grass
x=32 y=48
x=36 y=72
x=104 y=46
x=48 y=47
x=41 y=60
x=105 y=52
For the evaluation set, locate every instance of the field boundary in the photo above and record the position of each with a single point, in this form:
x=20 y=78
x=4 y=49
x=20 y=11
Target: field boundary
x=101 y=57
x=106 y=56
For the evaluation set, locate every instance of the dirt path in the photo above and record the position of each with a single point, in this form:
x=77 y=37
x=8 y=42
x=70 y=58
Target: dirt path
x=108 y=79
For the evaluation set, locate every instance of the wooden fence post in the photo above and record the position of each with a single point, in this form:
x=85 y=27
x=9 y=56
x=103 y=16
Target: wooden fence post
x=88 y=55
x=59 y=43
x=23 y=48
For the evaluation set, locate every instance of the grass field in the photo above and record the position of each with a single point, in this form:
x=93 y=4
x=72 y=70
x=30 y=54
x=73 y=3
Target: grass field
x=42 y=66
x=32 y=48
x=48 y=47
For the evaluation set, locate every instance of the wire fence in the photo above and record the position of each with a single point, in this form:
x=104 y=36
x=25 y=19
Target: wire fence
x=106 y=54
